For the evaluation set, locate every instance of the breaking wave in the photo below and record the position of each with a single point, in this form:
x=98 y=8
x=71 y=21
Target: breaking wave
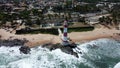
x=101 y=53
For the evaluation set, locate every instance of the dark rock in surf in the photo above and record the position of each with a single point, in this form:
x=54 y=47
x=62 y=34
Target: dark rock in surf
x=66 y=49
x=69 y=50
x=16 y=42
x=25 y=49
x=51 y=46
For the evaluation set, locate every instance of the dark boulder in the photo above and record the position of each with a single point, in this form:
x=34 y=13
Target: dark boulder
x=51 y=46
x=67 y=49
x=25 y=49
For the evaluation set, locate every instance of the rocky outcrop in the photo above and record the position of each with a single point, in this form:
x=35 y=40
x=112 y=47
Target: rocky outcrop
x=16 y=42
x=67 y=49
x=11 y=43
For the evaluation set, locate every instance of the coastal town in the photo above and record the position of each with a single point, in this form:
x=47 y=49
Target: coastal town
x=38 y=21
x=51 y=13
x=59 y=33
x=46 y=16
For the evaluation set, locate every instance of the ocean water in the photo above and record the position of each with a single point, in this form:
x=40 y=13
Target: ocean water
x=101 y=53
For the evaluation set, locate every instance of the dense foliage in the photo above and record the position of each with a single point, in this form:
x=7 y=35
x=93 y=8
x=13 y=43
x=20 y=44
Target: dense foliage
x=52 y=30
x=113 y=20
x=89 y=8
x=94 y=1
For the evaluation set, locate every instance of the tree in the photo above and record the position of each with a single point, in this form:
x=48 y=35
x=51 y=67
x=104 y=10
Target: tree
x=81 y=19
x=4 y=18
x=89 y=8
x=58 y=9
x=38 y=22
x=105 y=21
x=35 y=12
x=25 y=14
x=28 y=22
x=115 y=13
x=68 y=4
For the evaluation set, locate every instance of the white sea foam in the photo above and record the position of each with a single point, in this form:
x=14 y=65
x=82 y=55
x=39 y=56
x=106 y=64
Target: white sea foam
x=39 y=58
x=117 y=65
x=98 y=50
x=104 y=47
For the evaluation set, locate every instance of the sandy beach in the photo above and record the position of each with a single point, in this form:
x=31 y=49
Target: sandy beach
x=38 y=39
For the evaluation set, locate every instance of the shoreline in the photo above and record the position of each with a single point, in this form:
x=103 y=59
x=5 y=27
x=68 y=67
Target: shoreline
x=39 y=39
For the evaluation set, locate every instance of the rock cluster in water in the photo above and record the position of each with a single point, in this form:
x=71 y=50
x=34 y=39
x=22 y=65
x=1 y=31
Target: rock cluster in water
x=16 y=42
x=67 y=49
x=25 y=49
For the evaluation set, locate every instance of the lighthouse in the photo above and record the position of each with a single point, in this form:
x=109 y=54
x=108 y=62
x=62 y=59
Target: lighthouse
x=65 y=38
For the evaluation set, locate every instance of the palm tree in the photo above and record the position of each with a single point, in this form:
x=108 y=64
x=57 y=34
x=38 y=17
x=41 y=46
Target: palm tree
x=38 y=22
x=2 y=18
x=115 y=13
x=105 y=21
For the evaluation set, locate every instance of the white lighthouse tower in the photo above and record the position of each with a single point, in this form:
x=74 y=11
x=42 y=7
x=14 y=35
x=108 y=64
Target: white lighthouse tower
x=65 y=38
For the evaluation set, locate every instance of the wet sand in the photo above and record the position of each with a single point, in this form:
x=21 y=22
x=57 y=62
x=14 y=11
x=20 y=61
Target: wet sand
x=38 y=39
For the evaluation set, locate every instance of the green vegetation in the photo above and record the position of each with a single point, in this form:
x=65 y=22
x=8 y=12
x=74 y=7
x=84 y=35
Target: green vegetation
x=53 y=31
x=94 y=1
x=58 y=8
x=115 y=12
x=80 y=29
x=113 y=20
x=24 y=15
x=106 y=21
x=5 y=17
x=89 y=8
x=69 y=10
x=91 y=1
x=113 y=1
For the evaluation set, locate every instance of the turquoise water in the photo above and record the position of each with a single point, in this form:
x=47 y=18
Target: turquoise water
x=101 y=53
